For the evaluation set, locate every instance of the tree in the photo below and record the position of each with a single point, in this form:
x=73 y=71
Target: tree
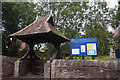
x=68 y=18
x=118 y=13
x=116 y=25
x=15 y=17
x=116 y=44
x=97 y=19
x=71 y=19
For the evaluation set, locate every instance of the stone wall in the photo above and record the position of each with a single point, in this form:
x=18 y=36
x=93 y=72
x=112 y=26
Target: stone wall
x=47 y=70
x=61 y=68
x=7 y=66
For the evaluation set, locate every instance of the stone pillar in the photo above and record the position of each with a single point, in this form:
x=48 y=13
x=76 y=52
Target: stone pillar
x=56 y=54
x=21 y=67
x=112 y=53
x=47 y=69
x=16 y=68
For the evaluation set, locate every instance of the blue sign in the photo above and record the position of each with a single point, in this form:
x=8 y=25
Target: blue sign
x=84 y=46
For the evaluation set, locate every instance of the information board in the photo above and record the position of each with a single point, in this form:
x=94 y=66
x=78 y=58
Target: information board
x=84 y=46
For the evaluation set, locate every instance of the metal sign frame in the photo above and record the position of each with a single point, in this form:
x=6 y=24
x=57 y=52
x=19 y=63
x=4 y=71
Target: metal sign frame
x=84 y=46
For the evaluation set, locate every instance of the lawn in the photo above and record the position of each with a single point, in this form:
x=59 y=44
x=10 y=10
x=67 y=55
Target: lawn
x=90 y=58
x=103 y=58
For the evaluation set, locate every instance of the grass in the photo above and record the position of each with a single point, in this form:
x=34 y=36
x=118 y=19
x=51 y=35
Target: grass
x=103 y=58
x=14 y=58
x=90 y=58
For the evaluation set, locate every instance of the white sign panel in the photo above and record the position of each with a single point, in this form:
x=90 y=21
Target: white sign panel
x=75 y=51
x=91 y=49
x=82 y=48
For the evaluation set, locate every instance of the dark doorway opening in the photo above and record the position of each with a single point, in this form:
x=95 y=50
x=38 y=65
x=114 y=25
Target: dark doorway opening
x=117 y=53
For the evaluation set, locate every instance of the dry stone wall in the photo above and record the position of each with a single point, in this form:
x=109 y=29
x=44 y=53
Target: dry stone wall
x=61 y=68
x=7 y=66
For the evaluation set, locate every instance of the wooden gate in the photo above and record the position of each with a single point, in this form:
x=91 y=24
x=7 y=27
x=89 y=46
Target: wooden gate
x=38 y=64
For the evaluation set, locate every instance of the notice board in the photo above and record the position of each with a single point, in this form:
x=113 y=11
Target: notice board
x=84 y=46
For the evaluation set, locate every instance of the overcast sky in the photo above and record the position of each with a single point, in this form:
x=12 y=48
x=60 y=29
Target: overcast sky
x=112 y=3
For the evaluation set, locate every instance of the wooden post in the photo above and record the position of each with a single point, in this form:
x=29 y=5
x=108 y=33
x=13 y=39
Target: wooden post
x=83 y=57
x=93 y=57
x=58 y=51
x=30 y=53
x=56 y=54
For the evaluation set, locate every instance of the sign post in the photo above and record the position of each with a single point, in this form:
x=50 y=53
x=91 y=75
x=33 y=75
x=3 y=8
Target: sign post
x=84 y=46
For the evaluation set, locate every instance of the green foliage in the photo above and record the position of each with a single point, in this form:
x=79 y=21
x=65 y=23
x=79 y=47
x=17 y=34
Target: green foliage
x=72 y=19
x=12 y=49
x=115 y=17
x=68 y=17
x=96 y=21
x=44 y=49
x=116 y=44
x=118 y=13
x=65 y=49
x=15 y=16
x=21 y=53
x=102 y=58
x=50 y=50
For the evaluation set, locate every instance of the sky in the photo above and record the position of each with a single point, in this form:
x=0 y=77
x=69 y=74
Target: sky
x=112 y=3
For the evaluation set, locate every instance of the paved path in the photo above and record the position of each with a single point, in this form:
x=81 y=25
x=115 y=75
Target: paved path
x=33 y=76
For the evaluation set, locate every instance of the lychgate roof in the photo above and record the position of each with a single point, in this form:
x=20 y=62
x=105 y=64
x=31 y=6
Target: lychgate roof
x=40 y=31
x=38 y=26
